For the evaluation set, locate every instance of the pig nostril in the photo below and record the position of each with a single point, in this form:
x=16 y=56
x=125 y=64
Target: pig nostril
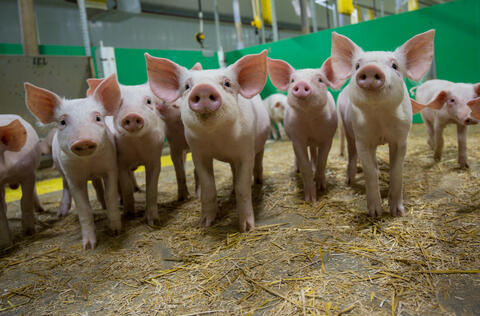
x=377 y=77
x=138 y=121
x=91 y=146
x=211 y=97
x=127 y=122
x=197 y=98
x=363 y=77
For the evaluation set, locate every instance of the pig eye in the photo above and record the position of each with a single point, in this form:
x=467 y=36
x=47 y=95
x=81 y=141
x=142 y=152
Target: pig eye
x=63 y=122
x=187 y=86
x=357 y=66
x=98 y=119
x=149 y=101
x=452 y=100
x=320 y=80
x=394 y=66
x=293 y=80
x=227 y=84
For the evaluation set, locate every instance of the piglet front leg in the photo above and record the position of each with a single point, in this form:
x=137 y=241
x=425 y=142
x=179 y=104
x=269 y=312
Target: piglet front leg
x=178 y=159
x=111 y=201
x=438 y=131
x=208 y=196
x=28 y=204
x=66 y=202
x=462 y=146
x=397 y=156
x=126 y=186
x=152 y=172
x=243 y=193
x=367 y=155
x=85 y=213
x=305 y=166
x=321 y=165
x=5 y=234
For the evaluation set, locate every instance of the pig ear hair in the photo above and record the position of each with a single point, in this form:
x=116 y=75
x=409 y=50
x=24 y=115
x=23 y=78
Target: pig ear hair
x=280 y=72
x=92 y=85
x=475 y=107
x=435 y=104
x=164 y=78
x=476 y=88
x=197 y=66
x=41 y=102
x=13 y=136
x=332 y=81
x=417 y=54
x=343 y=52
x=251 y=72
x=108 y=93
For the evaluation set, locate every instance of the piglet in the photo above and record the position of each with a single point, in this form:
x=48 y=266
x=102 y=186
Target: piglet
x=375 y=108
x=19 y=157
x=224 y=119
x=276 y=105
x=175 y=134
x=452 y=109
x=83 y=146
x=139 y=135
x=310 y=118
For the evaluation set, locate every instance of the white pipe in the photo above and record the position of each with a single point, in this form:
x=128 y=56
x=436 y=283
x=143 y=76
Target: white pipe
x=84 y=27
x=238 y=23
x=313 y=13
x=221 y=57
x=274 y=21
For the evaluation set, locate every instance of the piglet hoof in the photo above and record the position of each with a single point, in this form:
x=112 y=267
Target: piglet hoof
x=136 y=189
x=89 y=241
x=206 y=220
x=437 y=157
x=375 y=211
x=198 y=192
x=63 y=210
x=397 y=210
x=153 y=219
x=115 y=227
x=29 y=231
x=464 y=165
x=247 y=224
x=311 y=196
x=40 y=209
x=182 y=195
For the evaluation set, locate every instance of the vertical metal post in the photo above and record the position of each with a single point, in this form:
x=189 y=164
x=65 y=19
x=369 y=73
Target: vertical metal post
x=28 y=27
x=221 y=57
x=84 y=27
x=335 y=15
x=304 y=17
x=238 y=23
x=382 y=9
x=260 y=13
x=398 y=6
x=274 y=21
x=374 y=9
x=313 y=12
x=327 y=11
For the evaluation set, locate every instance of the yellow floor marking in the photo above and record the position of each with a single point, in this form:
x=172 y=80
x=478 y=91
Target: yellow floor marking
x=55 y=184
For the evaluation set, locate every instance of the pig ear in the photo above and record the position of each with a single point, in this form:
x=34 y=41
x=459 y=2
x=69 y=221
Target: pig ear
x=41 y=102
x=197 y=66
x=476 y=88
x=93 y=83
x=417 y=54
x=164 y=77
x=251 y=72
x=13 y=136
x=327 y=71
x=436 y=104
x=280 y=72
x=343 y=53
x=108 y=93
x=475 y=107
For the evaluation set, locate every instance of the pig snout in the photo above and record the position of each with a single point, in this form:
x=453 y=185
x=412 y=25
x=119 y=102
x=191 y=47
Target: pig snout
x=301 y=90
x=83 y=147
x=370 y=77
x=132 y=123
x=204 y=99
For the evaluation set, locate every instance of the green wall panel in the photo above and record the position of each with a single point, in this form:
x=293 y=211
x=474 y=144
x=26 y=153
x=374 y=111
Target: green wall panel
x=131 y=66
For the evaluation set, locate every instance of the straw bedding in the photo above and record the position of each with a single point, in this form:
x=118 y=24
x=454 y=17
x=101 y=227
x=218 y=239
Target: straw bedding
x=302 y=259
